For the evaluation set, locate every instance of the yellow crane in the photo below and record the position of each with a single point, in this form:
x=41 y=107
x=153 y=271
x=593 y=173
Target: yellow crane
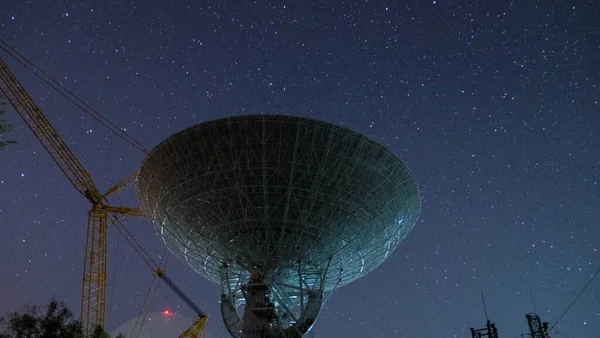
x=93 y=295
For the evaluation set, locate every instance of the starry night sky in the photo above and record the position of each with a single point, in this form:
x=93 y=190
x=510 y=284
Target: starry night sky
x=494 y=105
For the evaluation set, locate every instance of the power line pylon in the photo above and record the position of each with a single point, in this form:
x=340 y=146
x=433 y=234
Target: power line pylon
x=490 y=331
x=537 y=328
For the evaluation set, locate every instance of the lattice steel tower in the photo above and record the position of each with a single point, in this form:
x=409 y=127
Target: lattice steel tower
x=279 y=210
x=490 y=331
x=537 y=329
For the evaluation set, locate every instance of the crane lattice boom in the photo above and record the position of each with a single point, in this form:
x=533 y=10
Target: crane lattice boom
x=47 y=134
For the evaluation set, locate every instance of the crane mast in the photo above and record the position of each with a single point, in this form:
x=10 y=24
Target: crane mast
x=93 y=299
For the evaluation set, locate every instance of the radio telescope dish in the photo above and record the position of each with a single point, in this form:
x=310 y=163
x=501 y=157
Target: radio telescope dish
x=279 y=210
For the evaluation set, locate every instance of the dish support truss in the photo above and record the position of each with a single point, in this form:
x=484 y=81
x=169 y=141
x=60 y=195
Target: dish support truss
x=274 y=306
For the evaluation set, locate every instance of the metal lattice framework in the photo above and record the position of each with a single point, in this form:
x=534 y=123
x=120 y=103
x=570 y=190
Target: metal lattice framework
x=294 y=196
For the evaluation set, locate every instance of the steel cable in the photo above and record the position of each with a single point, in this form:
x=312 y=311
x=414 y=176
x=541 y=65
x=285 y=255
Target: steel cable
x=93 y=113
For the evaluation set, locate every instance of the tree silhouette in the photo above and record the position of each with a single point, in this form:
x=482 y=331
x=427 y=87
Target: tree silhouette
x=54 y=320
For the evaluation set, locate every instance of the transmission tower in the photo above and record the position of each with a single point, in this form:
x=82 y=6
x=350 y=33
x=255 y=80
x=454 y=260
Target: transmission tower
x=537 y=328
x=490 y=331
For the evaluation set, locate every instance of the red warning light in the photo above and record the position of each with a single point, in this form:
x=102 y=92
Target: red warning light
x=167 y=313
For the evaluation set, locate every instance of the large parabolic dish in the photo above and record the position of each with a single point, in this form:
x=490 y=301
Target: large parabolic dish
x=307 y=204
